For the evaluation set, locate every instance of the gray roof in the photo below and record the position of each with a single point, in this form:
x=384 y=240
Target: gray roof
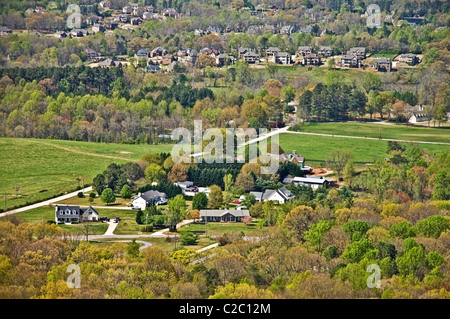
x=221 y=212
x=258 y=195
x=283 y=191
x=383 y=60
x=148 y=195
x=75 y=210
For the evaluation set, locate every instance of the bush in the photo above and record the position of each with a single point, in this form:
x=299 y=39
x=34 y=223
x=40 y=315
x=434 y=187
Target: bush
x=80 y=195
x=188 y=238
x=147 y=229
x=139 y=215
x=92 y=195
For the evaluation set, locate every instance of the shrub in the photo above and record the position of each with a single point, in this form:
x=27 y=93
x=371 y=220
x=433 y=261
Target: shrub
x=147 y=229
x=80 y=195
x=188 y=238
x=92 y=195
x=139 y=215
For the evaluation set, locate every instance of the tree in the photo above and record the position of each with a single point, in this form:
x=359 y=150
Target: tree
x=188 y=238
x=133 y=249
x=288 y=93
x=404 y=229
x=155 y=174
x=108 y=196
x=338 y=159
x=178 y=173
x=215 y=197
x=249 y=200
x=245 y=181
x=356 y=229
x=349 y=173
x=228 y=182
x=200 y=201
x=176 y=211
x=194 y=214
x=126 y=191
x=358 y=250
x=370 y=81
x=316 y=232
x=433 y=226
x=300 y=219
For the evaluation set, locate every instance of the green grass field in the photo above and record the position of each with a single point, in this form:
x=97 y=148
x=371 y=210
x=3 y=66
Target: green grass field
x=218 y=229
x=46 y=168
x=400 y=132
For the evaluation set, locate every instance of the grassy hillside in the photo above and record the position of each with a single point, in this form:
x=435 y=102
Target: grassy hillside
x=45 y=168
x=400 y=132
x=317 y=148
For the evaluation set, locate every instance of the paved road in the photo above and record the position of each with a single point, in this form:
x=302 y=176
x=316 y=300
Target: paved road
x=46 y=202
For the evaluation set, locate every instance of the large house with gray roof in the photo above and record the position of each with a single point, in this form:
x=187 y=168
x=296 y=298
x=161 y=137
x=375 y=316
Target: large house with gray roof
x=281 y=195
x=74 y=214
x=223 y=215
x=142 y=200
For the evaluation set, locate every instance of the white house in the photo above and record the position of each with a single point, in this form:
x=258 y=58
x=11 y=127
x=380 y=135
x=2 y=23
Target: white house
x=70 y=214
x=281 y=195
x=142 y=200
x=314 y=182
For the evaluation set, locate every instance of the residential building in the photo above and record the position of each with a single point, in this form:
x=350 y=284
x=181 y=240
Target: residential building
x=310 y=181
x=223 y=59
x=223 y=215
x=96 y=28
x=281 y=195
x=360 y=52
x=418 y=114
x=383 y=65
x=270 y=52
x=251 y=57
x=92 y=55
x=141 y=54
x=258 y=196
x=153 y=68
x=287 y=29
x=159 y=51
x=292 y=157
x=304 y=50
x=282 y=58
x=110 y=63
x=311 y=59
x=142 y=200
x=350 y=61
x=187 y=186
x=136 y=21
x=78 y=33
x=409 y=58
x=5 y=31
x=74 y=214
x=172 y=13
x=242 y=52
x=305 y=30
x=325 y=51
x=127 y=9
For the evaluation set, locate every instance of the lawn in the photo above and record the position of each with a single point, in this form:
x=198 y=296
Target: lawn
x=43 y=171
x=401 y=132
x=317 y=148
x=218 y=229
x=97 y=201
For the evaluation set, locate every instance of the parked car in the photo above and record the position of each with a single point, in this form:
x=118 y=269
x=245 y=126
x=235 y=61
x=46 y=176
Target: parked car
x=236 y=201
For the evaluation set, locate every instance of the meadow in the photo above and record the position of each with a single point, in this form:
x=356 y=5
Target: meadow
x=33 y=170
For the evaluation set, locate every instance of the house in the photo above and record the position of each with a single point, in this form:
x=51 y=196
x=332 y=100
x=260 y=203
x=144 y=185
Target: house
x=71 y=214
x=350 y=61
x=127 y=9
x=148 y=15
x=78 y=33
x=159 y=51
x=304 y=50
x=325 y=51
x=111 y=25
x=253 y=29
x=231 y=28
x=360 y=52
x=92 y=55
x=213 y=30
x=153 y=68
x=5 y=31
x=242 y=52
x=136 y=21
x=292 y=157
x=311 y=59
x=223 y=59
x=281 y=195
x=251 y=57
x=305 y=30
x=418 y=114
x=93 y=19
x=282 y=58
x=287 y=29
x=60 y=34
x=223 y=215
x=383 y=65
x=211 y=52
x=270 y=52
x=409 y=58
x=310 y=181
x=167 y=59
x=142 y=200
x=104 y=4
x=96 y=28
x=172 y=13
x=110 y=63
x=258 y=195
x=187 y=186
x=141 y=54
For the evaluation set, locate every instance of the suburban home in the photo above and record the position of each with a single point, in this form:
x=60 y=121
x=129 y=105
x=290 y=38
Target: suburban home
x=305 y=30
x=105 y=4
x=281 y=195
x=243 y=51
x=127 y=9
x=5 y=31
x=292 y=157
x=153 y=68
x=251 y=57
x=311 y=59
x=325 y=51
x=92 y=55
x=213 y=30
x=304 y=50
x=314 y=182
x=171 y=12
x=136 y=21
x=383 y=64
x=350 y=61
x=272 y=51
x=223 y=59
x=110 y=63
x=96 y=28
x=287 y=29
x=360 y=52
x=409 y=58
x=159 y=51
x=141 y=54
x=78 y=33
x=282 y=58
x=142 y=200
x=223 y=215
x=148 y=15
x=418 y=114
x=112 y=25
x=70 y=214
x=258 y=195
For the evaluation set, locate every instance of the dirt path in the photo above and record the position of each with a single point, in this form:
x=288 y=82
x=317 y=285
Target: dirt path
x=86 y=153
